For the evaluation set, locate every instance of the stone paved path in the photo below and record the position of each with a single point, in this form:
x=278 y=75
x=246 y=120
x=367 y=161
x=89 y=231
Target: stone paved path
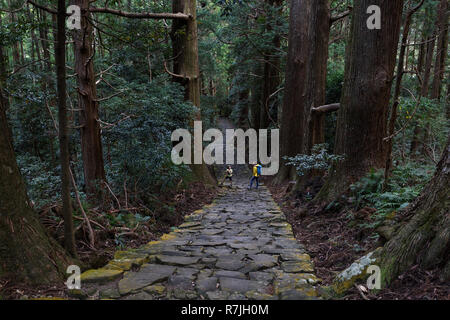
x=239 y=247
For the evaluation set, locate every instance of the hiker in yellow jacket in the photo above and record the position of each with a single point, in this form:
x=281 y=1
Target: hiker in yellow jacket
x=256 y=174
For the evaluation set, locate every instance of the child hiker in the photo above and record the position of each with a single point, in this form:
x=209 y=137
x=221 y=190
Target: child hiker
x=228 y=176
x=256 y=174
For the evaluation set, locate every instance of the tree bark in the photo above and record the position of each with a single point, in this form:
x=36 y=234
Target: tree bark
x=60 y=57
x=309 y=30
x=398 y=83
x=43 y=32
x=362 y=117
x=91 y=142
x=256 y=96
x=442 y=46
x=27 y=254
x=185 y=52
x=428 y=56
x=271 y=68
x=424 y=239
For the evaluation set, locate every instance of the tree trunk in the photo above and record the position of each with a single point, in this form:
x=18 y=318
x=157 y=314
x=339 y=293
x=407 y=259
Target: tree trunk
x=15 y=45
x=43 y=32
x=398 y=83
x=362 y=117
x=306 y=69
x=442 y=46
x=425 y=238
x=27 y=254
x=271 y=68
x=91 y=142
x=428 y=55
x=256 y=97
x=60 y=57
x=185 y=52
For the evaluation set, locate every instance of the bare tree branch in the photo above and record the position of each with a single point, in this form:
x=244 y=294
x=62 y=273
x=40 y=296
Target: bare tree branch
x=327 y=108
x=143 y=15
x=340 y=16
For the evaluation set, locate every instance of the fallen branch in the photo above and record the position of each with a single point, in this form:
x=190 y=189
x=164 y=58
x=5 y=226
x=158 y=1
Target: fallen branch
x=88 y=223
x=361 y=293
x=117 y=200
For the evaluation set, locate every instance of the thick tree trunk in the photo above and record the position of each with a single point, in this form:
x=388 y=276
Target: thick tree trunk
x=185 y=51
x=362 y=117
x=91 y=142
x=60 y=57
x=27 y=254
x=442 y=46
x=425 y=238
x=305 y=80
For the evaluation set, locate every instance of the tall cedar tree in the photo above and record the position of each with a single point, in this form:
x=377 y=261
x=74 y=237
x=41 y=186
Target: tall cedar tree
x=91 y=141
x=186 y=66
x=362 y=117
x=60 y=57
x=305 y=80
x=27 y=254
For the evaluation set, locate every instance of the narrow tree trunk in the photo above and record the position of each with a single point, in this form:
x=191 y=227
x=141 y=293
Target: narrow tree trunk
x=60 y=57
x=185 y=51
x=271 y=67
x=362 y=117
x=27 y=254
x=43 y=33
x=91 y=142
x=398 y=83
x=425 y=238
x=243 y=104
x=442 y=46
x=15 y=45
x=256 y=92
x=305 y=80
x=428 y=56
x=35 y=51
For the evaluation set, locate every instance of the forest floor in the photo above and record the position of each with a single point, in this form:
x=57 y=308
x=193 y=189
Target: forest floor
x=184 y=202
x=334 y=242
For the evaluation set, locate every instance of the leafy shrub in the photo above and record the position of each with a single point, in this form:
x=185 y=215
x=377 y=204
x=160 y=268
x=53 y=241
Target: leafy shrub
x=319 y=159
x=43 y=184
x=404 y=186
x=140 y=146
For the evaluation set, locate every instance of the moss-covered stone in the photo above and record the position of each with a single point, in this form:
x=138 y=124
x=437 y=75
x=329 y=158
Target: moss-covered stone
x=168 y=236
x=100 y=275
x=109 y=293
x=77 y=294
x=297 y=266
x=129 y=254
x=155 y=290
x=357 y=271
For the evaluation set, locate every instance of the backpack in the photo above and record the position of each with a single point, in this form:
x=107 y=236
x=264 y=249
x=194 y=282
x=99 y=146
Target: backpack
x=258 y=170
